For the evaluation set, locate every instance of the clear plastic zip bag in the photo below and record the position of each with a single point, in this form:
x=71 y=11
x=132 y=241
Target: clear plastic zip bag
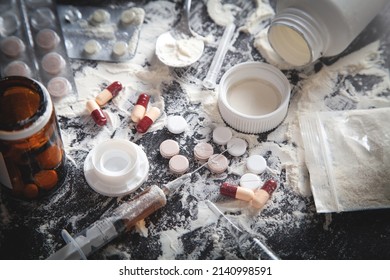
x=347 y=154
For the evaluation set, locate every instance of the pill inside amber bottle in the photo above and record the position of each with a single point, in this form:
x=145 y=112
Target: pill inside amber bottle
x=46 y=179
x=108 y=93
x=50 y=158
x=139 y=109
x=236 y=192
x=31 y=191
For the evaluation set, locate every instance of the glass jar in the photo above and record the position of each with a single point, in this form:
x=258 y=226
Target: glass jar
x=32 y=157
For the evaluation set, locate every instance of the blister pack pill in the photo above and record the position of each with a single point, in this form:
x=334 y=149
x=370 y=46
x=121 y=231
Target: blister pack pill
x=32 y=45
x=108 y=33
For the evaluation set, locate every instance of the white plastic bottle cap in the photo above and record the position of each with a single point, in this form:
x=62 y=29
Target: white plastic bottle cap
x=217 y=163
x=12 y=46
x=53 y=63
x=17 y=68
x=92 y=47
x=250 y=181
x=47 y=39
x=116 y=167
x=59 y=86
x=256 y=164
x=176 y=124
x=178 y=164
x=169 y=148
x=253 y=97
x=237 y=147
x=203 y=151
x=222 y=135
x=119 y=48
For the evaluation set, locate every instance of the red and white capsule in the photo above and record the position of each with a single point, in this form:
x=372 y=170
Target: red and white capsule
x=139 y=109
x=108 y=93
x=96 y=113
x=236 y=192
x=150 y=117
x=263 y=194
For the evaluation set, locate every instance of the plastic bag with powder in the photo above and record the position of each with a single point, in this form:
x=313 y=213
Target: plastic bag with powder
x=347 y=154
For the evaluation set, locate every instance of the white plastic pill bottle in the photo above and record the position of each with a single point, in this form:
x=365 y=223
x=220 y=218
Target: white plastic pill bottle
x=304 y=30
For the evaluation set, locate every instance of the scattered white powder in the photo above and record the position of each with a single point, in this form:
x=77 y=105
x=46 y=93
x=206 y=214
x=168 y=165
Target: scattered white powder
x=259 y=17
x=178 y=52
x=221 y=14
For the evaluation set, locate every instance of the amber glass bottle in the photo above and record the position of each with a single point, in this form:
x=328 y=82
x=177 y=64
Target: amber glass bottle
x=32 y=157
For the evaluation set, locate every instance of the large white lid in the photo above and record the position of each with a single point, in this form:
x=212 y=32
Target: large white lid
x=258 y=73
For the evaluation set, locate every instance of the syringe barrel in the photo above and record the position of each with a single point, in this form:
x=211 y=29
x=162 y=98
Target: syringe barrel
x=112 y=224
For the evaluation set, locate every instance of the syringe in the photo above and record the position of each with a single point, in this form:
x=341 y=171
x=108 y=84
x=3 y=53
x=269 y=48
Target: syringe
x=120 y=220
x=113 y=224
x=215 y=67
x=250 y=246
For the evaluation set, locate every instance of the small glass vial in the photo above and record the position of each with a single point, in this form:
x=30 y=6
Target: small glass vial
x=32 y=157
x=305 y=30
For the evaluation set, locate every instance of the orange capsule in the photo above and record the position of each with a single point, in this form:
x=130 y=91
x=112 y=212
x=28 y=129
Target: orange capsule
x=139 y=109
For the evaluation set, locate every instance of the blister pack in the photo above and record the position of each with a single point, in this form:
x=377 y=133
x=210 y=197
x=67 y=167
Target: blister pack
x=108 y=33
x=32 y=45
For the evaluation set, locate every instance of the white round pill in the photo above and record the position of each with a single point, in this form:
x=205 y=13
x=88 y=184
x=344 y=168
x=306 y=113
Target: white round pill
x=119 y=48
x=100 y=16
x=222 y=135
x=178 y=164
x=133 y=16
x=92 y=47
x=59 y=86
x=217 y=163
x=203 y=151
x=176 y=124
x=53 y=63
x=169 y=148
x=47 y=39
x=17 y=68
x=12 y=46
x=250 y=181
x=256 y=164
x=237 y=147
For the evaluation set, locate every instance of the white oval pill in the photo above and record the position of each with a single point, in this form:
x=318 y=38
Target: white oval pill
x=178 y=164
x=169 y=148
x=176 y=124
x=12 y=46
x=217 y=163
x=59 y=86
x=53 y=63
x=250 y=181
x=203 y=151
x=222 y=135
x=256 y=164
x=237 y=147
